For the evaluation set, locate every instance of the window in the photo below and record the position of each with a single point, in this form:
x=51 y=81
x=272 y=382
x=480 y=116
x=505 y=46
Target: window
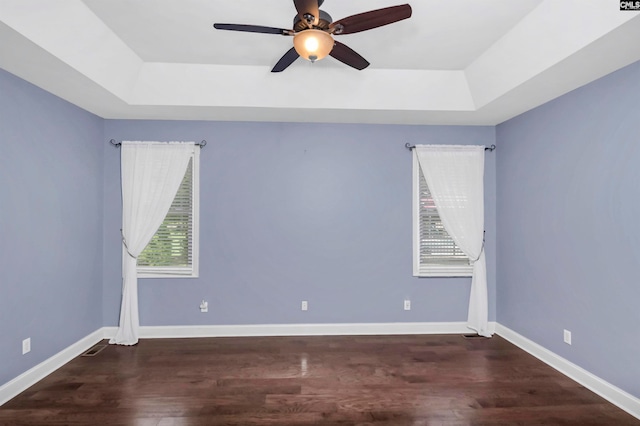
x=173 y=250
x=434 y=252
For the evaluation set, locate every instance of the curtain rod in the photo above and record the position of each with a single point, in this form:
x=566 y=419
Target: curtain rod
x=117 y=144
x=486 y=148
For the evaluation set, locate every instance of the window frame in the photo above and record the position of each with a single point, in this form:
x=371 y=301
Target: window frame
x=184 y=272
x=429 y=270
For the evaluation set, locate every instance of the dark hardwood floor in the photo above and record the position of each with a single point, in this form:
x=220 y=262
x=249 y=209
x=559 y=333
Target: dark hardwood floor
x=364 y=380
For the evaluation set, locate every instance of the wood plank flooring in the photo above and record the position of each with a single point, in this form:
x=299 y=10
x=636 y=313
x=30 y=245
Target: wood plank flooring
x=345 y=380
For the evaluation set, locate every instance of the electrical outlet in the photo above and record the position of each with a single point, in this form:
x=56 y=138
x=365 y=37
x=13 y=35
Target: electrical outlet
x=567 y=337
x=204 y=306
x=407 y=305
x=304 y=305
x=26 y=346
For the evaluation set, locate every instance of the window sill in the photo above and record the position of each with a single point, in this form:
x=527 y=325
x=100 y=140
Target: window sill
x=444 y=271
x=167 y=273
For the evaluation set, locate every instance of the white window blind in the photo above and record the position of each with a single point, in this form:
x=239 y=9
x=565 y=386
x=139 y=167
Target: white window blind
x=435 y=253
x=173 y=250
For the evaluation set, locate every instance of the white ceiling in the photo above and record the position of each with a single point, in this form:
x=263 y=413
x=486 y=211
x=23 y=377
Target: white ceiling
x=452 y=62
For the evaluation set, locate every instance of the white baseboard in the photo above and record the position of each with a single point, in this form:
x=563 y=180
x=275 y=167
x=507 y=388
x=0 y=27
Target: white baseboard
x=48 y=366
x=256 y=330
x=611 y=393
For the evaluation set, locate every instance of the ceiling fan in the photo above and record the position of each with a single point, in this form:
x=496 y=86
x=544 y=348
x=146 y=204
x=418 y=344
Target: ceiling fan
x=313 y=31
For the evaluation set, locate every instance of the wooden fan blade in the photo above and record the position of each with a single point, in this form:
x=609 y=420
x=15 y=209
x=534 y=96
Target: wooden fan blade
x=372 y=19
x=286 y=60
x=252 y=29
x=348 y=56
x=309 y=8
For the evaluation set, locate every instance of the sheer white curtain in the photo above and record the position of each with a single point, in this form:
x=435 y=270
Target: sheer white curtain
x=455 y=177
x=151 y=175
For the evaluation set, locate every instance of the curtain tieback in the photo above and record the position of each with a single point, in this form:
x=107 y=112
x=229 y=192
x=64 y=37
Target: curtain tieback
x=124 y=243
x=481 y=249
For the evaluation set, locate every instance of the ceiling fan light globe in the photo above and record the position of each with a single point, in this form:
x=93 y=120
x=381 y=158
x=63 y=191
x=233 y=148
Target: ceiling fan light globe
x=313 y=45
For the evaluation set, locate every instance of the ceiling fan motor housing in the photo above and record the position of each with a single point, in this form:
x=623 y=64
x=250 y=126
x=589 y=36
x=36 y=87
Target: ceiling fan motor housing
x=323 y=22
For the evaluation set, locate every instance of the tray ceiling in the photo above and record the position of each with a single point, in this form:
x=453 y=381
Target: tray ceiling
x=474 y=62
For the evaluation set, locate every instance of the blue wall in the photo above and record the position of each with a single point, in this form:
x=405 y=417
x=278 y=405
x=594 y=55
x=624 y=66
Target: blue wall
x=568 y=209
x=292 y=212
x=50 y=224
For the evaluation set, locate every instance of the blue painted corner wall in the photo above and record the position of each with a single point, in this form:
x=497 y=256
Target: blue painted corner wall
x=51 y=206
x=568 y=209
